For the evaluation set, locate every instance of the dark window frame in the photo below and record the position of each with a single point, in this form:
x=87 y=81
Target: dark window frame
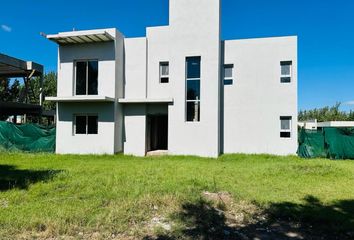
x=286 y=133
x=87 y=77
x=194 y=78
x=87 y=124
x=228 y=80
x=164 y=78
x=286 y=78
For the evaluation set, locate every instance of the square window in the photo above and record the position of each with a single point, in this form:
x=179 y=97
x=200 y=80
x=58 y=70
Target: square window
x=285 y=71
x=285 y=127
x=86 y=124
x=164 y=72
x=228 y=74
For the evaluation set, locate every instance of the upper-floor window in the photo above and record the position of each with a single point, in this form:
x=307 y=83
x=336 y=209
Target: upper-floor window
x=164 y=72
x=86 y=124
x=286 y=71
x=193 y=88
x=86 y=77
x=228 y=74
x=285 y=127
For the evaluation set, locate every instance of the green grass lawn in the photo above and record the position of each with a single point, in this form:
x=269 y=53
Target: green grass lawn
x=101 y=197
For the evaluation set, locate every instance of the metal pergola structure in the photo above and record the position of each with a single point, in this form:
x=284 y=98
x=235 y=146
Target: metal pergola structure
x=11 y=67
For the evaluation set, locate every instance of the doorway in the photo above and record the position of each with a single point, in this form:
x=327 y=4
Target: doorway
x=157 y=132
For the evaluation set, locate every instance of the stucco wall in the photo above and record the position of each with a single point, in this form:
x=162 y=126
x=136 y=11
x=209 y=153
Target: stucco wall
x=103 y=52
x=110 y=56
x=256 y=100
x=134 y=129
x=135 y=68
x=194 y=31
x=119 y=91
x=159 y=47
x=69 y=143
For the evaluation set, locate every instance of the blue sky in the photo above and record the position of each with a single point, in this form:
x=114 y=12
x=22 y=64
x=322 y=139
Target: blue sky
x=324 y=27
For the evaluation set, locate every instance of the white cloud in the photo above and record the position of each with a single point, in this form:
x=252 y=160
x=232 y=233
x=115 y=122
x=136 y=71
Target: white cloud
x=349 y=103
x=6 y=28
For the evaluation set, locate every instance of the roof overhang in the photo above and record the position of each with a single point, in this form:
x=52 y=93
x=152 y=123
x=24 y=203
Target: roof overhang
x=81 y=99
x=79 y=37
x=145 y=100
x=13 y=67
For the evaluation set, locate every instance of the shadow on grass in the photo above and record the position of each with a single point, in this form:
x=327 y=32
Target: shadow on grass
x=310 y=220
x=11 y=177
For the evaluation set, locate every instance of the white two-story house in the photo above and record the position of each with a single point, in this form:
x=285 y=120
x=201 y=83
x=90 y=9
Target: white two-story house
x=180 y=89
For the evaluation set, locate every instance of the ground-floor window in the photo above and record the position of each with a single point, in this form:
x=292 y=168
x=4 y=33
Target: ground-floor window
x=285 y=127
x=85 y=124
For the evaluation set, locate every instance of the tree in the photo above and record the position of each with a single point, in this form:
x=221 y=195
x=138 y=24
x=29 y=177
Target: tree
x=5 y=95
x=17 y=91
x=326 y=114
x=49 y=89
x=351 y=116
x=14 y=91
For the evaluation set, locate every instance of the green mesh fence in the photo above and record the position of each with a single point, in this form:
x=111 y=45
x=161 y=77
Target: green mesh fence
x=311 y=144
x=26 y=137
x=334 y=143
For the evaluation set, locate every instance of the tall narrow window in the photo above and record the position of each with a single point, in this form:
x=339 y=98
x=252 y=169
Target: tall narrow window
x=285 y=127
x=86 y=77
x=81 y=76
x=228 y=74
x=86 y=124
x=286 y=71
x=193 y=88
x=164 y=72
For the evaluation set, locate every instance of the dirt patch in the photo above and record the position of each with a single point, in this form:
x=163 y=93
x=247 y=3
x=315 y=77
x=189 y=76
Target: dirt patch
x=236 y=213
x=160 y=222
x=245 y=220
x=79 y=235
x=218 y=216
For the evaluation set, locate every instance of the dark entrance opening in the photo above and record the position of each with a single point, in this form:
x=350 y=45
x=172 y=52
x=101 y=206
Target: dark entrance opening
x=157 y=132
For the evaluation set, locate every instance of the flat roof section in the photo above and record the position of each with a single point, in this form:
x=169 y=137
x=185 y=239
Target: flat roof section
x=145 y=100
x=13 y=67
x=79 y=37
x=14 y=108
x=85 y=98
x=336 y=124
